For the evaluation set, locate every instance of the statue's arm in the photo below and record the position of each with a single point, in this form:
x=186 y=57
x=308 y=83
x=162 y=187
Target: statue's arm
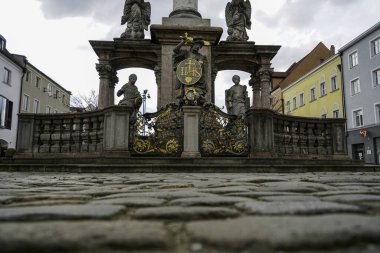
x=177 y=49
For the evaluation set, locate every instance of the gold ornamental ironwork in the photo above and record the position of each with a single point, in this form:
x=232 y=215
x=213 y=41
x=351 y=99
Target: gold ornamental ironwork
x=159 y=133
x=222 y=134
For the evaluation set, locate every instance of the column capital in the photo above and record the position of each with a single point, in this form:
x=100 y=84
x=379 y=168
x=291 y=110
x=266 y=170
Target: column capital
x=265 y=74
x=105 y=70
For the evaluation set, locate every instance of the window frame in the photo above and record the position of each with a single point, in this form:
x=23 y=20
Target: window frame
x=38 y=105
x=315 y=95
x=49 y=89
x=354 y=117
x=8 y=113
x=48 y=111
x=372 y=47
x=25 y=106
x=37 y=82
x=352 y=87
x=350 y=62
x=287 y=104
x=334 y=77
x=374 y=85
x=7 y=76
x=336 y=113
x=28 y=76
x=377 y=112
x=294 y=100
x=324 y=89
x=302 y=101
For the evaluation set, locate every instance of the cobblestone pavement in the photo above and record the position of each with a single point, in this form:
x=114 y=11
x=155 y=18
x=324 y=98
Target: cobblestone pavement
x=305 y=213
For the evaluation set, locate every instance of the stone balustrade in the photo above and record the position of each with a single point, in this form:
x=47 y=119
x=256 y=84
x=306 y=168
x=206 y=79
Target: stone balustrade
x=107 y=133
x=276 y=135
x=88 y=133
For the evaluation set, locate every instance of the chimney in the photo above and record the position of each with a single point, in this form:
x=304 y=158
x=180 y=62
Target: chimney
x=332 y=50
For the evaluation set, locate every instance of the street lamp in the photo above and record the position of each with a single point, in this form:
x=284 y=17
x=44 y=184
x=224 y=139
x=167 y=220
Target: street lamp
x=145 y=96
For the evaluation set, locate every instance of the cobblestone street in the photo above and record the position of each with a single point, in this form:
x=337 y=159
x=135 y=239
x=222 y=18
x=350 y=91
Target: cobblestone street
x=305 y=213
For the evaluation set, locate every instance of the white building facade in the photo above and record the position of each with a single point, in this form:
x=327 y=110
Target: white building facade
x=11 y=74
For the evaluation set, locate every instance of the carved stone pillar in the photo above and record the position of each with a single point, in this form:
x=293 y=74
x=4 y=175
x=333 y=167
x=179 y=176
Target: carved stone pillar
x=108 y=79
x=266 y=87
x=256 y=89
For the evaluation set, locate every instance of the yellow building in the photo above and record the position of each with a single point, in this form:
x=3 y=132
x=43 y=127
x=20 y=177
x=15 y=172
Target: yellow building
x=318 y=93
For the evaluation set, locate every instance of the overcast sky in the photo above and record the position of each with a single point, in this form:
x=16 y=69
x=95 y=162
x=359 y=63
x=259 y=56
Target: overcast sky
x=54 y=34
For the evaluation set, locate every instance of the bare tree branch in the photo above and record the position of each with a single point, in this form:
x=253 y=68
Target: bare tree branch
x=86 y=102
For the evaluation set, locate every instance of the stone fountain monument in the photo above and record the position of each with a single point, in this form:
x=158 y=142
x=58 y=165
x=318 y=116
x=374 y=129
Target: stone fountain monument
x=186 y=53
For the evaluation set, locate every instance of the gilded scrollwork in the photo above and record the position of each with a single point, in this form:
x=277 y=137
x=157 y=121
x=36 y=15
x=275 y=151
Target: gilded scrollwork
x=221 y=133
x=158 y=133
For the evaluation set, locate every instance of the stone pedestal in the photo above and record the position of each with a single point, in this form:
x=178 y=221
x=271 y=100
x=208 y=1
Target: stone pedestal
x=191 y=131
x=116 y=129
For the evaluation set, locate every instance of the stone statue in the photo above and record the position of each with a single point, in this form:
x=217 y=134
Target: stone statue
x=137 y=14
x=191 y=75
x=238 y=18
x=132 y=96
x=236 y=98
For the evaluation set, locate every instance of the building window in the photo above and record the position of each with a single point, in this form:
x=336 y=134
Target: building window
x=377 y=112
x=358 y=118
x=354 y=59
x=376 y=77
x=50 y=90
x=375 y=46
x=63 y=98
x=288 y=106
x=38 y=82
x=6 y=108
x=302 y=99
x=48 y=109
x=56 y=95
x=323 y=89
x=334 y=84
x=2 y=43
x=294 y=103
x=324 y=116
x=355 y=87
x=336 y=114
x=25 y=103
x=27 y=76
x=36 y=106
x=312 y=94
x=7 y=76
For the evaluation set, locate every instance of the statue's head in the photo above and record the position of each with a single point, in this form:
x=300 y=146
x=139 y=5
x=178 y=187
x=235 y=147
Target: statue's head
x=236 y=79
x=132 y=78
x=197 y=44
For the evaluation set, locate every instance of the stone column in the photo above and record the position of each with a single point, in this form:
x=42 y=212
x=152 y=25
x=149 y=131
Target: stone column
x=191 y=131
x=185 y=9
x=255 y=84
x=266 y=87
x=107 y=80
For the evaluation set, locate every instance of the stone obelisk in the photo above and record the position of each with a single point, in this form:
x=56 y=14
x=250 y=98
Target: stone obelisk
x=185 y=12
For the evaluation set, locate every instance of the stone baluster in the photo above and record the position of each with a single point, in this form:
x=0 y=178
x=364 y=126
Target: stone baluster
x=76 y=135
x=303 y=142
x=56 y=136
x=328 y=141
x=67 y=128
x=45 y=136
x=85 y=135
x=100 y=132
x=93 y=134
x=36 y=136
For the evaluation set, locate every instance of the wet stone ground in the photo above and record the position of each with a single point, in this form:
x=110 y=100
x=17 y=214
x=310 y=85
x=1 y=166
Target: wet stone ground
x=304 y=213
